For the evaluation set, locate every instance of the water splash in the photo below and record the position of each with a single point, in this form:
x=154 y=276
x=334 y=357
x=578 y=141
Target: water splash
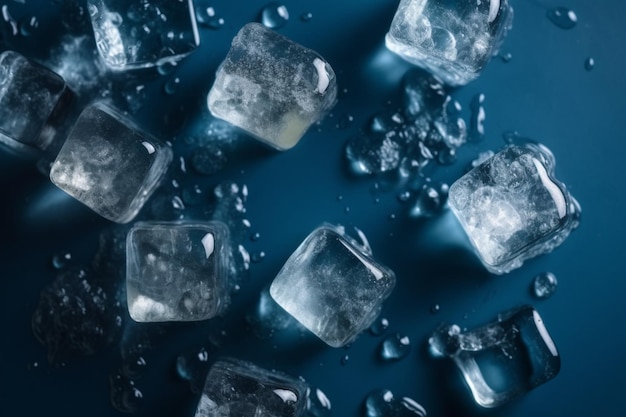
x=274 y=15
x=544 y=285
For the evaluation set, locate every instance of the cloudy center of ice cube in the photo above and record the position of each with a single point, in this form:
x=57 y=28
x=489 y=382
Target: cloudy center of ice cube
x=552 y=188
x=323 y=79
x=208 y=241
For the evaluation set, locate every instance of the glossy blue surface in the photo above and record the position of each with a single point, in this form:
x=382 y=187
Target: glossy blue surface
x=544 y=92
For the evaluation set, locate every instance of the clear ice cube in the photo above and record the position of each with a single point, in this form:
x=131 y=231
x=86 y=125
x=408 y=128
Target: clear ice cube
x=272 y=87
x=108 y=165
x=177 y=271
x=32 y=100
x=453 y=40
x=143 y=33
x=332 y=286
x=235 y=388
x=501 y=360
x=512 y=208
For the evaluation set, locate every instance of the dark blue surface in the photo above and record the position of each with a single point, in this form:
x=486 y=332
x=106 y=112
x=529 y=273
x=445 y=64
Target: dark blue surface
x=544 y=92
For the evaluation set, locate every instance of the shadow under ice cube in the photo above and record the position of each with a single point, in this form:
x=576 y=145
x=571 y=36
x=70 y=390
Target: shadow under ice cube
x=108 y=165
x=332 y=287
x=272 y=87
x=501 y=360
x=453 y=40
x=235 y=388
x=143 y=33
x=512 y=208
x=177 y=271
x=33 y=99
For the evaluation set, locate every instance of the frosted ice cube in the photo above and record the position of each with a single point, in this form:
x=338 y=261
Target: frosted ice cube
x=272 y=87
x=453 y=40
x=503 y=359
x=108 y=165
x=235 y=388
x=33 y=99
x=177 y=271
x=512 y=208
x=331 y=286
x=142 y=33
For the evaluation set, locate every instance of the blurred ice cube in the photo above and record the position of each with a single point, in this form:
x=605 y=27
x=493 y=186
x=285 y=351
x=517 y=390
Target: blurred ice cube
x=33 y=99
x=503 y=359
x=143 y=33
x=512 y=207
x=235 y=388
x=108 y=165
x=453 y=40
x=177 y=271
x=272 y=87
x=332 y=287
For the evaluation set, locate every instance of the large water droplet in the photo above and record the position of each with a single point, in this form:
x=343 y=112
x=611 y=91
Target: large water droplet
x=379 y=327
x=544 y=285
x=275 y=15
x=395 y=347
x=562 y=17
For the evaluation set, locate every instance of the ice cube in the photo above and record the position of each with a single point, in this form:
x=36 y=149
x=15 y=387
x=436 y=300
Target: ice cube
x=272 y=87
x=177 y=271
x=512 y=208
x=503 y=359
x=143 y=33
x=331 y=286
x=235 y=388
x=33 y=99
x=452 y=40
x=108 y=165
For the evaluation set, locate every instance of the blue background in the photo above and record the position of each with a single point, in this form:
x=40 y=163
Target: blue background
x=544 y=92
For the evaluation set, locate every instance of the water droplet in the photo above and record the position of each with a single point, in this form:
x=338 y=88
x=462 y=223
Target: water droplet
x=589 y=63
x=171 y=86
x=395 y=347
x=344 y=360
x=392 y=216
x=444 y=341
x=306 y=16
x=60 y=260
x=544 y=285
x=275 y=15
x=562 y=17
x=379 y=326
x=430 y=200
x=382 y=403
x=318 y=405
x=255 y=236
x=506 y=57
x=125 y=396
x=435 y=308
x=193 y=366
x=258 y=256
x=208 y=17
x=28 y=25
x=345 y=121
x=166 y=67
x=404 y=196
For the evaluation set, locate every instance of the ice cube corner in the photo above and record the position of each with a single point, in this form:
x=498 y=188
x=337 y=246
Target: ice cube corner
x=177 y=271
x=331 y=286
x=512 y=208
x=452 y=40
x=109 y=165
x=272 y=87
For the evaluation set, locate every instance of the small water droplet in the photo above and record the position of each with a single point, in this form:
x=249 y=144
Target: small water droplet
x=562 y=17
x=544 y=285
x=255 y=236
x=306 y=16
x=28 y=25
x=404 y=196
x=444 y=341
x=345 y=121
x=506 y=57
x=435 y=308
x=208 y=17
x=61 y=260
x=344 y=360
x=274 y=15
x=589 y=63
x=395 y=347
x=258 y=256
x=392 y=216
x=379 y=326
x=166 y=67
x=171 y=86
